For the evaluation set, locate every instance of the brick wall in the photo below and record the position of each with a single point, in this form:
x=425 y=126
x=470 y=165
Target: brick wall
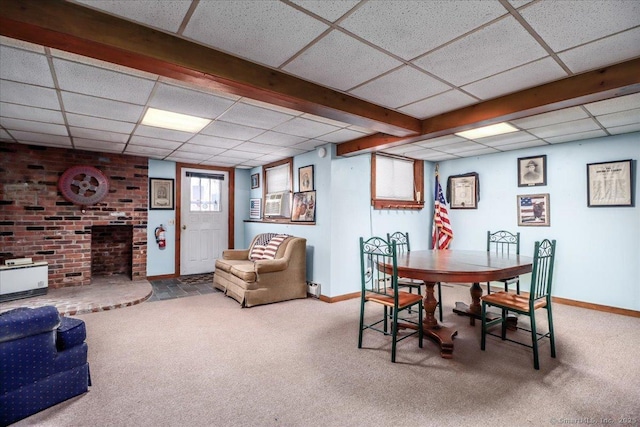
x=37 y=222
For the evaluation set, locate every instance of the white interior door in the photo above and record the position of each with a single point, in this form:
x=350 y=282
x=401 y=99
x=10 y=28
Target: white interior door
x=204 y=218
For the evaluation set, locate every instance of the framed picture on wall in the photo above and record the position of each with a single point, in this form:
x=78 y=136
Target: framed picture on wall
x=609 y=184
x=255 y=180
x=254 y=208
x=533 y=210
x=161 y=193
x=462 y=190
x=305 y=178
x=532 y=171
x=304 y=207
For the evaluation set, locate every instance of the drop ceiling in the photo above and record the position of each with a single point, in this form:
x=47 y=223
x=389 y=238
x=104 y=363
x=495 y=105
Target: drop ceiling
x=412 y=61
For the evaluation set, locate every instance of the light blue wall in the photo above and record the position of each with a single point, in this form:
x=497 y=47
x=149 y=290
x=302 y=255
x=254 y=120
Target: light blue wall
x=598 y=252
x=161 y=261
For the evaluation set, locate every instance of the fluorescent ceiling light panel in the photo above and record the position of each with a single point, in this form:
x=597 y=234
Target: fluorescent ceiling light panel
x=175 y=121
x=485 y=131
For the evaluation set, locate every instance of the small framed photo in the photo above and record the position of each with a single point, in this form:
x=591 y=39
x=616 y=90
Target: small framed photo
x=609 y=184
x=255 y=181
x=533 y=210
x=304 y=207
x=463 y=191
x=254 y=208
x=161 y=193
x=532 y=171
x=305 y=178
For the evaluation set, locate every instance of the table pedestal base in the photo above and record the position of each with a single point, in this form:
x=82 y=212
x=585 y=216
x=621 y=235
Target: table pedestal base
x=443 y=336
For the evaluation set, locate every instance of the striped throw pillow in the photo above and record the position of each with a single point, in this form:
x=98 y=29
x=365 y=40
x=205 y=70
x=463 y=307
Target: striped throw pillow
x=273 y=245
x=257 y=252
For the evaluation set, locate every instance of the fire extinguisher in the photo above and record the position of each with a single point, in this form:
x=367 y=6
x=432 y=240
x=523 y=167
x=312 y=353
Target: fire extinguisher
x=161 y=238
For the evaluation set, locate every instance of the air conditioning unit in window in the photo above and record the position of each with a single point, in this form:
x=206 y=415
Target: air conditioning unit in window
x=278 y=205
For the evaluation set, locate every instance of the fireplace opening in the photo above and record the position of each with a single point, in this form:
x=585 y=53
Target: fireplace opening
x=111 y=250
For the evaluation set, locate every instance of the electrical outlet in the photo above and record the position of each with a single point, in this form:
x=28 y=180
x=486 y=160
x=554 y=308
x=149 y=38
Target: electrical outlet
x=313 y=289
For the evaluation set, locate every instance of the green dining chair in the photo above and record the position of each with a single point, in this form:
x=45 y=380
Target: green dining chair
x=539 y=297
x=505 y=243
x=380 y=286
x=403 y=245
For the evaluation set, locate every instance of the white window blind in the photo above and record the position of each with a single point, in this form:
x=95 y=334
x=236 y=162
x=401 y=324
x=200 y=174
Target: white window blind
x=278 y=179
x=394 y=178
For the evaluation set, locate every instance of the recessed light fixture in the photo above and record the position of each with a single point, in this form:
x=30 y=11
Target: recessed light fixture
x=176 y=121
x=485 y=131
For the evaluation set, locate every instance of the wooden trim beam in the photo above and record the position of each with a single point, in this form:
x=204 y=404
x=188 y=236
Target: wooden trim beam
x=604 y=83
x=74 y=28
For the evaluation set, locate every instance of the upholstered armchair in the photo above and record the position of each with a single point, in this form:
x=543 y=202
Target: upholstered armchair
x=43 y=361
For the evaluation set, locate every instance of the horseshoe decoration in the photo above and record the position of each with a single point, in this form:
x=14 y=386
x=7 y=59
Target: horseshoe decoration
x=83 y=185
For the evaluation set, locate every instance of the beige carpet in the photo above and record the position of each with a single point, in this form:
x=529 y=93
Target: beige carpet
x=204 y=361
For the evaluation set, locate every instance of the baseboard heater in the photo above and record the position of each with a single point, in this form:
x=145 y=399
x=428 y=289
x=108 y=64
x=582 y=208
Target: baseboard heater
x=23 y=278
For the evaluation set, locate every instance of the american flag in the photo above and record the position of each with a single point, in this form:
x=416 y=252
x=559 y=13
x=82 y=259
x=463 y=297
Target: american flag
x=532 y=209
x=442 y=232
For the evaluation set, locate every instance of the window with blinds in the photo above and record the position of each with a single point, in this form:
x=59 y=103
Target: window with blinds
x=396 y=182
x=278 y=184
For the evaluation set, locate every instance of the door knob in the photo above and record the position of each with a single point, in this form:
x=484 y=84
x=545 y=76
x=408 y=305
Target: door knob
x=184 y=227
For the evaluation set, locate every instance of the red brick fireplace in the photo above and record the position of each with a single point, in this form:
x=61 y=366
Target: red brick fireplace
x=37 y=222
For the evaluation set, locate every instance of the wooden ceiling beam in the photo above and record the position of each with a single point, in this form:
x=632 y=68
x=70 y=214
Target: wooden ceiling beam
x=604 y=83
x=73 y=28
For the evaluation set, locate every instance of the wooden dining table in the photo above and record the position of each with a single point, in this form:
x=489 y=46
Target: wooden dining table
x=459 y=266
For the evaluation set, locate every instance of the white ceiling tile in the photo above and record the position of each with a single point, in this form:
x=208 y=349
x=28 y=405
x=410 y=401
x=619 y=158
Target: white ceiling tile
x=566 y=128
x=273 y=107
x=276 y=138
x=437 y=156
x=153 y=152
x=215 y=141
x=102 y=64
x=227 y=158
x=155 y=132
x=4 y=135
x=481 y=151
x=341 y=135
x=441 y=141
x=154 y=142
x=624 y=129
x=231 y=130
x=41 y=138
x=98 y=107
x=404 y=150
x=16 y=61
x=310 y=144
x=185 y=101
x=305 y=128
x=550 y=118
x=331 y=122
x=564 y=24
x=409 y=29
x=362 y=130
x=267 y=32
x=94 y=145
x=201 y=149
x=351 y=62
x=507 y=138
x=198 y=88
x=99 y=135
x=523 y=145
x=23 y=94
x=613 y=105
x=576 y=136
x=215 y=161
x=88 y=122
x=165 y=14
x=250 y=115
x=526 y=76
x=88 y=80
x=30 y=113
x=610 y=50
x=400 y=87
x=330 y=10
x=7 y=41
x=447 y=101
x=505 y=42
x=289 y=152
x=253 y=147
x=241 y=155
x=519 y=3
x=422 y=153
x=30 y=126
x=187 y=155
x=460 y=147
x=621 y=118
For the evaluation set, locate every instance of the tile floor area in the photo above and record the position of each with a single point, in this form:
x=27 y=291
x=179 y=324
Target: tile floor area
x=111 y=292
